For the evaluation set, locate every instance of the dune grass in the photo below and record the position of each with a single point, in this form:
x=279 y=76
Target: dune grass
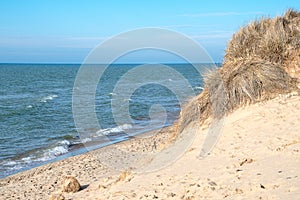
x=261 y=61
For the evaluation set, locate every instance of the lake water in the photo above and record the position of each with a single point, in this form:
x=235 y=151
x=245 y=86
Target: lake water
x=36 y=119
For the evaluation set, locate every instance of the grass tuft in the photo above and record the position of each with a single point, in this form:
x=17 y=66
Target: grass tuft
x=262 y=60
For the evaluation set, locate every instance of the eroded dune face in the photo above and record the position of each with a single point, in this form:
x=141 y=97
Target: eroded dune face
x=292 y=65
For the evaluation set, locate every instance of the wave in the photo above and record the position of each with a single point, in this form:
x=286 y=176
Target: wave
x=118 y=129
x=63 y=137
x=85 y=140
x=98 y=135
x=11 y=165
x=66 y=145
x=58 y=150
x=49 y=97
x=199 y=87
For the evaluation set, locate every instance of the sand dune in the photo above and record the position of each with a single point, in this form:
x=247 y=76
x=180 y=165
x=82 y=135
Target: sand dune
x=256 y=157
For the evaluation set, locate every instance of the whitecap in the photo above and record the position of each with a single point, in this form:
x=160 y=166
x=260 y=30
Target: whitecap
x=65 y=142
x=61 y=148
x=16 y=167
x=126 y=126
x=57 y=151
x=106 y=131
x=10 y=163
x=54 y=152
x=117 y=129
x=49 y=97
x=85 y=140
x=199 y=87
x=112 y=94
x=27 y=159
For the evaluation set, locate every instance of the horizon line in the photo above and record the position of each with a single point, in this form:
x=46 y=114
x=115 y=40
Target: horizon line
x=127 y=63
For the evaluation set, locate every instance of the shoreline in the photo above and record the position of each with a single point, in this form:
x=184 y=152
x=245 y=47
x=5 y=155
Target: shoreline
x=82 y=148
x=256 y=157
x=145 y=141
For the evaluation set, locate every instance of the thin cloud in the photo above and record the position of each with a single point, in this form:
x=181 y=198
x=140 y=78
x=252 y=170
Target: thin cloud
x=220 y=14
x=190 y=26
x=87 y=38
x=179 y=26
x=214 y=34
x=50 y=42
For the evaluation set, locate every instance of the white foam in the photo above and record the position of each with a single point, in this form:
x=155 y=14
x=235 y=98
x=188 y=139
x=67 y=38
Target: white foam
x=46 y=155
x=199 y=87
x=43 y=159
x=16 y=167
x=112 y=94
x=126 y=126
x=65 y=142
x=117 y=129
x=10 y=163
x=85 y=140
x=27 y=159
x=49 y=97
x=106 y=131
x=57 y=151
x=52 y=153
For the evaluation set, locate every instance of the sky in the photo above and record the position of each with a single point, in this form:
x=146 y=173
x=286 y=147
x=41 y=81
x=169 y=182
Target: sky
x=65 y=31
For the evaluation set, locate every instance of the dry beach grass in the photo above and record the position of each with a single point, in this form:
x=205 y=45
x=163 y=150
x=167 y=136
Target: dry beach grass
x=261 y=61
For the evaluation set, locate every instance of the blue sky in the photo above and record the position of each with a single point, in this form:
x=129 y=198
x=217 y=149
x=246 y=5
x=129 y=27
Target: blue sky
x=65 y=31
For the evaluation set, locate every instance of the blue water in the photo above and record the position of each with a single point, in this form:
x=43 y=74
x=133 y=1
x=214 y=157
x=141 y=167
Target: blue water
x=36 y=120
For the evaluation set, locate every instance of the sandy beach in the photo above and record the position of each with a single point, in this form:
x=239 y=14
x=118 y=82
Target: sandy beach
x=256 y=157
x=256 y=153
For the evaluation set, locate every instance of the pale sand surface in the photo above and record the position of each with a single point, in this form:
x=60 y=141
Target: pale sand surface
x=257 y=156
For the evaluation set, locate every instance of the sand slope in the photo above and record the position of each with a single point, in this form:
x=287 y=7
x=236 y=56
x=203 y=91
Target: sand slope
x=257 y=157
